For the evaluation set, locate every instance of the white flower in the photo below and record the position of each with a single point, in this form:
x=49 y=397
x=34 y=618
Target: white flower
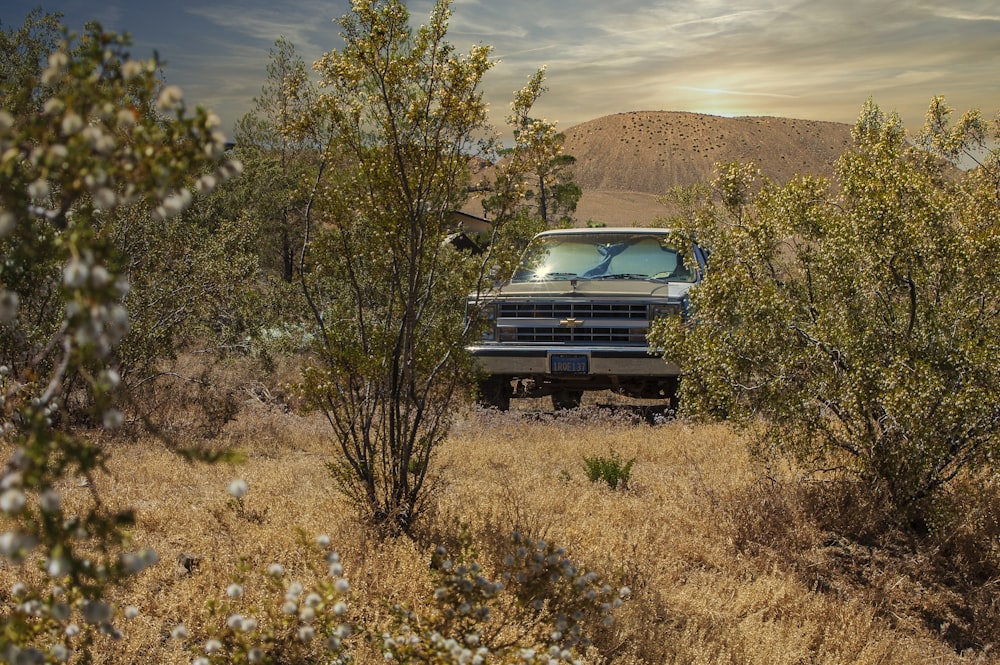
x=96 y=612
x=117 y=323
x=75 y=273
x=314 y=600
x=255 y=655
x=179 y=632
x=131 y=68
x=39 y=189
x=234 y=621
x=248 y=624
x=170 y=97
x=7 y=222
x=14 y=545
x=234 y=591
x=212 y=646
x=59 y=653
x=238 y=488
x=306 y=633
x=342 y=585
x=72 y=630
x=71 y=123
x=131 y=612
x=201 y=660
x=126 y=118
x=53 y=106
x=275 y=570
x=58 y=567
x=205 y=184
x=58 y=60
x=59 y=611
x=12 y=501
x=9 y=304
x=307 y=614
x=6 y=120
x=289 y=607
x=323 y=540
x=340 y=608
x=109 y=379
x=132 y=563
x=113 y=420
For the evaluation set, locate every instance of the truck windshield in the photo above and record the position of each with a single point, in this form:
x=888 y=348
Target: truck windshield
x=602 y=256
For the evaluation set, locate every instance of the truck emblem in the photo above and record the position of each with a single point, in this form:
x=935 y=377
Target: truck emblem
x=571 y=322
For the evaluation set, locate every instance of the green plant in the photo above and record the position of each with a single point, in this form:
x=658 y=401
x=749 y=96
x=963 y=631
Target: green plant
x=384 y=288
x=611 y=470
x=854 y=326
x=287 y=623
x=85 y=135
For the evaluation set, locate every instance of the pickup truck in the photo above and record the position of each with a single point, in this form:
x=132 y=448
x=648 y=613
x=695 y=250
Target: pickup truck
x=575 y=315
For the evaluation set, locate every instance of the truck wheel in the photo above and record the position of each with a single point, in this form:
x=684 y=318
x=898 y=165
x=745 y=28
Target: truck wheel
x=566 y=399
x=495 y=392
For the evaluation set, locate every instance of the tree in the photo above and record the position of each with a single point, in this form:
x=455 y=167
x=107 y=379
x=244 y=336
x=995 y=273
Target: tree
x=856 y=326
x=280 y=148
x=537 y=163
x=85 y=134
x=387 y=291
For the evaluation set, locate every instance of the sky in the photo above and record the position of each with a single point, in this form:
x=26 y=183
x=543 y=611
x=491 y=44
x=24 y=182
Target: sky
x=806 y=59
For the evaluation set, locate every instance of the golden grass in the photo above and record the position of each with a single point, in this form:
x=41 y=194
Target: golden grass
x=719 y=556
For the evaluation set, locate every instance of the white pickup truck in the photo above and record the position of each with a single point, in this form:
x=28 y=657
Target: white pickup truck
x=575 y=315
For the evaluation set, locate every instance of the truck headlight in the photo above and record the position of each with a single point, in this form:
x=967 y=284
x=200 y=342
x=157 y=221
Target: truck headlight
x=665 y=309
x=488 y=314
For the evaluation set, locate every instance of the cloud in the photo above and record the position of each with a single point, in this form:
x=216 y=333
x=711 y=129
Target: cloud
x=802 y=58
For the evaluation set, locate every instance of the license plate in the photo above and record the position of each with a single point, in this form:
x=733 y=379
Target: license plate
x=569 y=363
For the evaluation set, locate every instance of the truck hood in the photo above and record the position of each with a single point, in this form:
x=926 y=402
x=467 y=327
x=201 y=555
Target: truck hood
x=587 y=288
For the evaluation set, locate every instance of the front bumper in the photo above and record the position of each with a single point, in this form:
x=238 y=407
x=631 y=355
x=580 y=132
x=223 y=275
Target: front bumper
x=525 y=361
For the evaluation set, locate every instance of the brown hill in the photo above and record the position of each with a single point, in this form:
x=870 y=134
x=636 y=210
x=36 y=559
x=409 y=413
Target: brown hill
x=653 y=151
x=624 y=161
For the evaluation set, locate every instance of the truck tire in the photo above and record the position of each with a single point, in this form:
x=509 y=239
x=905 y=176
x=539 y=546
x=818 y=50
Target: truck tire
x=566 y=399
x=495 y=392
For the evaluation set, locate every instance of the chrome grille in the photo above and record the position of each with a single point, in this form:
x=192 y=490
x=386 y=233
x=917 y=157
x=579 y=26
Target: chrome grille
x=582 y=335
x=578 y=310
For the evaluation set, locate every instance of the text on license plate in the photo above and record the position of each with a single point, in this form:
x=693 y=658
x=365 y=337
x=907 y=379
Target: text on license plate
x=569 y=363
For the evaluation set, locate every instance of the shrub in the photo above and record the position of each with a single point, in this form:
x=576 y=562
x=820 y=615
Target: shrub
x=612 y=470
x=854 y=326
x=84 y=136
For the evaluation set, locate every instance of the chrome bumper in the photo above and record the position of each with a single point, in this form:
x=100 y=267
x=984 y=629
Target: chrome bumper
x=519 y=360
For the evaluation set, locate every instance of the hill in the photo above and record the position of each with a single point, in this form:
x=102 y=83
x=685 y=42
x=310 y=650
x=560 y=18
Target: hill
x=624 y=161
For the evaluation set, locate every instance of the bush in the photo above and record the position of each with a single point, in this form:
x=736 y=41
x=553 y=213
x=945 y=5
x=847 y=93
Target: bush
x=854 y=325
x=609 y=469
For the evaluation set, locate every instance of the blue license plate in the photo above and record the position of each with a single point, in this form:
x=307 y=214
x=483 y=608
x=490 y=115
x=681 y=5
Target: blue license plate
x=569 y=363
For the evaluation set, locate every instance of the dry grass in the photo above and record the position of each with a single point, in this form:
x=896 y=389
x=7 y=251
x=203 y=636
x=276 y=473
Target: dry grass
x=725 y=563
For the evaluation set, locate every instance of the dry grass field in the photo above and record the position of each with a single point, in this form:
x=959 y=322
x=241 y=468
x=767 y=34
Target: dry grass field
x=725 y=562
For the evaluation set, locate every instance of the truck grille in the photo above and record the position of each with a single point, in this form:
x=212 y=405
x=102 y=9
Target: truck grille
x=578 y=310
x=582 y=335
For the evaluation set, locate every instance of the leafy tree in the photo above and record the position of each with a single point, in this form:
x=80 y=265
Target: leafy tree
x=280 y=148
x=856 y=325
x=537 y=165
x=387 y=292
x=85 y=134
x=23 y=51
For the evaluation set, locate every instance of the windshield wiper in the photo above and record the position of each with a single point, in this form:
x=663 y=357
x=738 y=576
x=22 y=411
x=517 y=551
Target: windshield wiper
x=622 y=275
x=547 y=276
